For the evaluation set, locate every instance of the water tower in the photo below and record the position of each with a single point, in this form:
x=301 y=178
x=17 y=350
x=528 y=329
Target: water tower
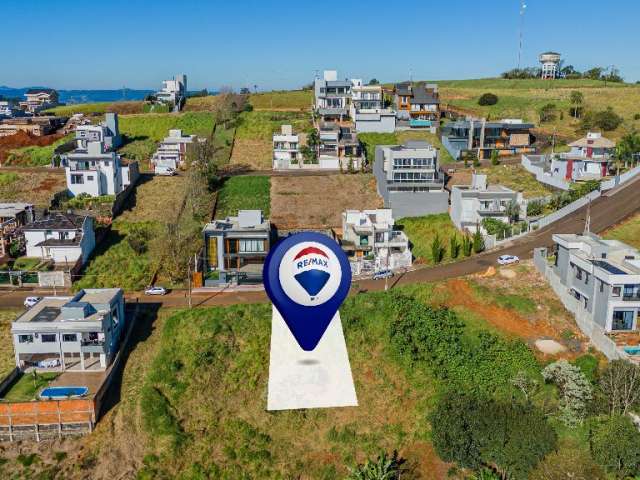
x=550 y=64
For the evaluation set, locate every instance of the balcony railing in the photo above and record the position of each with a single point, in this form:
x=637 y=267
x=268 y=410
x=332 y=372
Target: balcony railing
x=635 y=297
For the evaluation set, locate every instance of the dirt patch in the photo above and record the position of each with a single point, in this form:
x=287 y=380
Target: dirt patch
x=550 y=347
x=254 y=154
x=23 y=139
x=156 y=198
x=424 y=462
x=508 y=273
x=35 y=186
x=318 y=201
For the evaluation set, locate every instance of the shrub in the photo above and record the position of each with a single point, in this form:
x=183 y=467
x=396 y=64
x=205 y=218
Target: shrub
x=487 y=99
x=454 y=247
x=547 y=113
x=636 y=116
x=496 y=227
x=495 y=157
x=575 y=390
x=384 y=467
x=535 y=208
x=567 y=463
x=606 y=120
x=478 y=241
x=437 y=249
x=615 y=446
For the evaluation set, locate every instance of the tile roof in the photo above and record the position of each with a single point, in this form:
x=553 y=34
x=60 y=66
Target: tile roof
x=58 y=221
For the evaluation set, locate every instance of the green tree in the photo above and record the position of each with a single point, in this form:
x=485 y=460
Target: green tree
x=534 y=208
x=576 y=98
x=615 y=446
x=567 y=464
x=547 y=113
x=454 y=246
x=374 y=81
x=628 y=147
x=575 y=390
x=620 y=383
x=467 y=245
x=384 y=467
x=495 y=157
x=437 y=249
x=487 y=99
x=478 y=241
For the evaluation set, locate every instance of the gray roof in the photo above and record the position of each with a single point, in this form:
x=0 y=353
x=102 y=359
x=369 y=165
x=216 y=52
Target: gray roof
x=58 y=221
x=421 y=96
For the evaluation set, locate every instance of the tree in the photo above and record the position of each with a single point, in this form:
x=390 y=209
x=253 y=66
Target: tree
x=495 y=157
x=606 y=120
x=467 y=245
x=374 y=81
x=487 y=99
x=15 y=249
x=615 y=446
x=534 y=208
x=478 y=241
x=575 y=390
x=620 y=383
x=594 y=73
x=628 y=147
x=513 y=211
x=437 y=249
x=547 y=112
x=454 y=246
x=576 y=98
x=525 y=383
x=567 y=464
x=384 y=467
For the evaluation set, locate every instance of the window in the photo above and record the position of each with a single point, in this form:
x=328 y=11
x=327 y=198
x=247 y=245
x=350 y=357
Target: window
x=578 y=273
x=586 y=278
x=601 y=287
x=69 y=337
x=90 y=178
x=251 y=246
x=622 y=320
x=48 y=337
x=77 y=179
x=615 y=292
x=25 y=338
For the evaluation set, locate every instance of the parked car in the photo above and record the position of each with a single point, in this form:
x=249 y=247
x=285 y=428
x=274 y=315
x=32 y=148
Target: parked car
x=381 y=274
x=166 y=171
x=507 y=259
x=155 y=291
x=31 y=301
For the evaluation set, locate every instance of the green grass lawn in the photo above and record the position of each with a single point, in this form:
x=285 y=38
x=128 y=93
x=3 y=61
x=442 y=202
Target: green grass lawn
x=26 y=264
x=7 y=357
x=7 y=178
x=516 y=178
x=28 y=386
x=292 y=99
x=261 y=125
x=627 y=232
x=244 y=193
x=36 y=156
x=422 y=230
x=98 y=108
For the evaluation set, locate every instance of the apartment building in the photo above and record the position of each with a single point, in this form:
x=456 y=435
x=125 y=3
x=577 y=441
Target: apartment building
x=372 y=241
x=82 y=332
x=286 y=149
x=235 y=249
x=410 y=180
x=508 y=137
x=471 y=204
x=332 y=96
x=603 y=275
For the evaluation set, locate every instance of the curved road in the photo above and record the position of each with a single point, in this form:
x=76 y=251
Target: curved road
x=608 y=210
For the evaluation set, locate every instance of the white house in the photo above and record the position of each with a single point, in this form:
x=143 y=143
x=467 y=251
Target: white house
x=39 y=99
x=106 y=132
x=173 y=92
x=94 y=171
x=61 y=237
x=372 y=242
x=367 y=109
x=172 y=151
x=286 y=149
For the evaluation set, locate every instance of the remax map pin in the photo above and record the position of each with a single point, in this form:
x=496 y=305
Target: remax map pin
x=307 y=277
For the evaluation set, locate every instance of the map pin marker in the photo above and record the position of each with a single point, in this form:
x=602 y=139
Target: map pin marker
x=307 y=276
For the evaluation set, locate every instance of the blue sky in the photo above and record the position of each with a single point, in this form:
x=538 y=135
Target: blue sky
x=280 y=44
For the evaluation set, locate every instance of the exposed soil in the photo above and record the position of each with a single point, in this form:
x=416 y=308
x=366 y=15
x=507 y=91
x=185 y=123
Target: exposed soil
x=23 y=139
x=35 y=186
x=255 y=154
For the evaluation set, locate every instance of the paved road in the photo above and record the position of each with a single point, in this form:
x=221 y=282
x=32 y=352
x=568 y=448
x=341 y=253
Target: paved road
x=606 y=211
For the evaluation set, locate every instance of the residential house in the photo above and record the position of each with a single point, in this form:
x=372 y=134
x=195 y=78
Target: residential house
x=589 y=159
x=604 y=276
x=106 y=132
x=372 y=242
x=39 y=99
x=235 y=248
x=82 y=332
x=410 y=180
x=174 y=92
x=9 y=108
x=417 y=104
x=471 y=204
x=339 y=147
x=36 y=126
x=172 y=151
x=508 y=137
x=62 y=237
x=332 y=96
x=286 y=149
x=12 y=217
x=94 y=171
x=367 y=109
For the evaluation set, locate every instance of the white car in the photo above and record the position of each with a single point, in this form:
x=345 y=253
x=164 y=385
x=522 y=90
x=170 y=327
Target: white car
x=31 y=301
x=379 y=275
x=166 y=171
x=155 y=291
x=507 y=259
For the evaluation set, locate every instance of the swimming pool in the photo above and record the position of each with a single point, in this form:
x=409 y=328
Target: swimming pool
x=632 y=350
x=60 y=393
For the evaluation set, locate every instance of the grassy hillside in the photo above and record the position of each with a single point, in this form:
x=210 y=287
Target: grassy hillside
x=98 y=108
x=524 y=98
x=627 y=232
x=243 y=193
x=282 y=100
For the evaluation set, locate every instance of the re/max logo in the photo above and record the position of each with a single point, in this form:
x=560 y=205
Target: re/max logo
x=321 y=262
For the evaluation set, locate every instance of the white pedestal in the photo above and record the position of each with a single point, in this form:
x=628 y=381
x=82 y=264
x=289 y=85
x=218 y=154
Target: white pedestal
x=317 y=379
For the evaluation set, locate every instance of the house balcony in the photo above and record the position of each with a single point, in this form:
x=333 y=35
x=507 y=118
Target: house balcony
x=492 y=211
x=631 y=297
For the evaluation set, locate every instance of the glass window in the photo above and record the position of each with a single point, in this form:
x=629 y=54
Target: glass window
x=615 y=292
x=25 y=338
x=69 y=337
x=578 y=273
x=77 y=179
x=251 y=246
x=48 y=337
x=622 y=320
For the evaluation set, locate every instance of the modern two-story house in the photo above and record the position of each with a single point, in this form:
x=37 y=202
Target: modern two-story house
x=410 y=180
x=339 y=147
x=172 y=151
x=372 y=242
x=64 y=238
x=173 y=92
x=39 y=99
x=418 y=104
x=332 y=96
x=235 y=249
x=367 y=109
x=286 y=149
x=83 y=332
x=106 y=132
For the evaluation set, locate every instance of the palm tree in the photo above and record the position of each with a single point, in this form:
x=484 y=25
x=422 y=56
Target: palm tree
x=383 y=468
x=576 y=98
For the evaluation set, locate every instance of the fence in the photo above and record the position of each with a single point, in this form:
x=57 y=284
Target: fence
x=620 y=179
x=566 y=210
x=541 y=176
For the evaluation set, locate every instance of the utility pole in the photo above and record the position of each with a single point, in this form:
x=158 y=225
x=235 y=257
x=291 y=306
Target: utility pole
x=523 y=7
x=587 y=221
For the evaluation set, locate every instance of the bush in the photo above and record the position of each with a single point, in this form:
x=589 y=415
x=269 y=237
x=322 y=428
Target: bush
x=547 y=113
x=535 y=208
x=636 y=116
x=478 y=242
x=467 y=245
x=615 y=446
x=588 y=365
x=496 y=227
x=566 y=464
x=495 y=157
x=384 y=467
x=575 y=390
x=606 y=120
x=487 y=99
x=437 y=249
x=454 y=247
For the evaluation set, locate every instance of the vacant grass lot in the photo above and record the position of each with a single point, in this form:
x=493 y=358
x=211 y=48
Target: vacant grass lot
x=7 y=358
x=200 y=104
x=283 y=100
x=125 y=107
x=32 y=187
x=516 y=178
x=523 y=99
x=422 y=231
x=254 y=136
x=243 y=193
x=35 y=156
x=627 y=232
x=318 y=201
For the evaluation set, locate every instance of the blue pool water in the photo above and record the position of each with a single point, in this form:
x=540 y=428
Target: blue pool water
x=632 y=350
x=58 y=393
